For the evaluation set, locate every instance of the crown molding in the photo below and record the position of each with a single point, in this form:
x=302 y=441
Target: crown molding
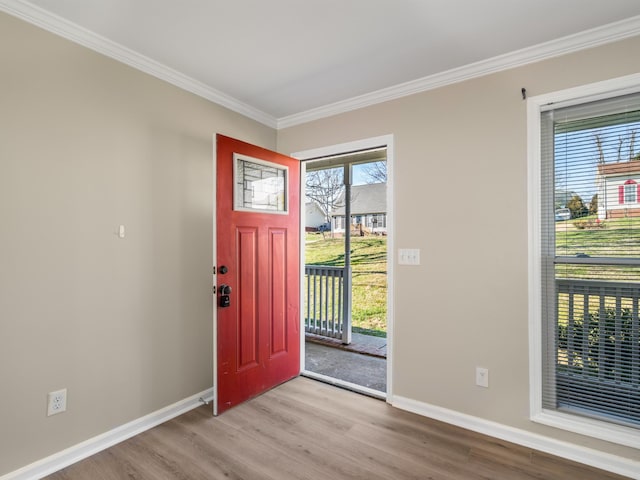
x=580 y=41
x=77 y=34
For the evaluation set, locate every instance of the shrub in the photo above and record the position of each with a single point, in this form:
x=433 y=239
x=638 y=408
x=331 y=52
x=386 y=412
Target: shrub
x=576 y=205
x=591 y=223
x=580 y=224
x=595 y=347
x=593 y=205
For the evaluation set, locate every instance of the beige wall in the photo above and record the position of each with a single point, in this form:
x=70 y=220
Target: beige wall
x=466 y=304
x=87 y=144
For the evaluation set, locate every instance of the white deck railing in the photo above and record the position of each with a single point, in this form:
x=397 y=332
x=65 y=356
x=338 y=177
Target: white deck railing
x=327 y=307
x=598 y=345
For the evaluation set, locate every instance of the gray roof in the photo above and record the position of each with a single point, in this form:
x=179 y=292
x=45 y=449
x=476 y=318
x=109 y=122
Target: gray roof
x=369 y=198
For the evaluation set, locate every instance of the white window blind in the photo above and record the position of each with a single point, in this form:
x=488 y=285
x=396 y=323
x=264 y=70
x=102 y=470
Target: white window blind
x=591 y=262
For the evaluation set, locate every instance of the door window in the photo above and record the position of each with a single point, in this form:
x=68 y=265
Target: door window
x=259 y=185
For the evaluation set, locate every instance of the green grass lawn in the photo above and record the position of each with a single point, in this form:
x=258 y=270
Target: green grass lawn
x=618 y=238
x=369 y=275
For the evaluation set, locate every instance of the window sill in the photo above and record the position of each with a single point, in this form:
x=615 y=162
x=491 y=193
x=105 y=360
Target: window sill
x=601 y=430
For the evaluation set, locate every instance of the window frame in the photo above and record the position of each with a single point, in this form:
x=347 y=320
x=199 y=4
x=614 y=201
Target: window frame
x=380 y=220
x=630 y=192
x=618 y=434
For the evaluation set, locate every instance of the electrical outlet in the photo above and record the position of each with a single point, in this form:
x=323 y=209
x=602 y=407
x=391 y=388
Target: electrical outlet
x=482 y=377
x=56 y=402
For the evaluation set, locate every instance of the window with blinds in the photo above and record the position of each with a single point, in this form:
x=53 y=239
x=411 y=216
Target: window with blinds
x=590 y=271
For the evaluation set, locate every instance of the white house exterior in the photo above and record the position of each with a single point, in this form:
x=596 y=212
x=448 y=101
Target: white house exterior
x=368 y=209
x=313 y=216
x=619 y=189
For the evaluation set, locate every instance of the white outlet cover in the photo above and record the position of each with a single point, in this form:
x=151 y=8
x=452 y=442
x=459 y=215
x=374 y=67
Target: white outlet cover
x=482 y=377
x=56 y=402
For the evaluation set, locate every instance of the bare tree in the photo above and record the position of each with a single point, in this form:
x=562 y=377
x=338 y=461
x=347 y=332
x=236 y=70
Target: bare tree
x=375 y=172
x=325 y=188
x=621 y=141
x=598 y=140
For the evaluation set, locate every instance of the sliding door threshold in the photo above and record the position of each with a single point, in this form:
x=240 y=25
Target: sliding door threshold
x=354 y=387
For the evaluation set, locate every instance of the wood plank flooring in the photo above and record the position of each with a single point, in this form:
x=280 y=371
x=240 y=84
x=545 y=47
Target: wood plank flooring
x=311 y=431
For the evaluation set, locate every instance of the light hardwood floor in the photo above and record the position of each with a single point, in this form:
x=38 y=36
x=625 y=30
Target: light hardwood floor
x=308 y=430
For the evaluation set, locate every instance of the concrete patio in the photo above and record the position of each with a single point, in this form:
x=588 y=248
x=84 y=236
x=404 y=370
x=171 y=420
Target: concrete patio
x=363 y=362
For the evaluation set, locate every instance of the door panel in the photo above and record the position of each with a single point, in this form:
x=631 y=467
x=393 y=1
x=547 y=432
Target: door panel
x=258 y=334
x=278 y=286
x=247 y=312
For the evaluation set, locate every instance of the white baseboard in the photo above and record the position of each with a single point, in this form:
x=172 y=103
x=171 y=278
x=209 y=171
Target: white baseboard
x=587 y=456
x=570 y=451
x=60 y=460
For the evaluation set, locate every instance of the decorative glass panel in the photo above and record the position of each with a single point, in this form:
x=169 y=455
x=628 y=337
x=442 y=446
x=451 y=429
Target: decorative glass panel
x=259 y=185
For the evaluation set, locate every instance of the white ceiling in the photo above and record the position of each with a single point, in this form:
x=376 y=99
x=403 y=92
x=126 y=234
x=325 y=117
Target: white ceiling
x=277 y=59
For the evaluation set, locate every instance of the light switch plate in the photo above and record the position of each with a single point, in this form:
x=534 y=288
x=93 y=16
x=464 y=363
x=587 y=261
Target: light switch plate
x=408 y=256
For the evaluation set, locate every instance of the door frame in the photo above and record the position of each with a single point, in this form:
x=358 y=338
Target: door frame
x=386 y=141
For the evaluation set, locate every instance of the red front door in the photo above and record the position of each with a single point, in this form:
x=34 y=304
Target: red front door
x=257 y=249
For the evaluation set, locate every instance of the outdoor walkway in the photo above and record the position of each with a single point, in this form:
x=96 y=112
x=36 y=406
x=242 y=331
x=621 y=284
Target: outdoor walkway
x=365 y=344
x=363 y=362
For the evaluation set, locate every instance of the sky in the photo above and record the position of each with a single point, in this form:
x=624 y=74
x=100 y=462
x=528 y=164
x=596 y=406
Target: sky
x=576 y=155
x=359 y=176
